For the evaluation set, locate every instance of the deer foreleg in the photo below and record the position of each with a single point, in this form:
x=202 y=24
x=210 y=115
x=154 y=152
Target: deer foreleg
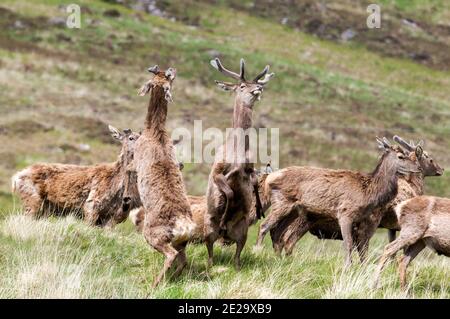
x=221 y=181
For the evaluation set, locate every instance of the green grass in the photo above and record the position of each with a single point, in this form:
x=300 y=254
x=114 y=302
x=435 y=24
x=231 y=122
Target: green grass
x=57 y=93
x=63 y=258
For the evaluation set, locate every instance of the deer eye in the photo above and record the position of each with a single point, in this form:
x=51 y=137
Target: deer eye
x=131 y=138
x=401 y=156
x=242 y=86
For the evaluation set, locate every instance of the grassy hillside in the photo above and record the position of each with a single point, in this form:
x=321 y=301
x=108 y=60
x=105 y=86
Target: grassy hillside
x=67 y=259
x=59 y=88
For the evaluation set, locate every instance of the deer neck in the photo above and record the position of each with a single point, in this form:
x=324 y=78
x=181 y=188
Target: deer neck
x=417 y=183
x=383 y=185
x=242 y=115
x=155 y=120
x=118 y=170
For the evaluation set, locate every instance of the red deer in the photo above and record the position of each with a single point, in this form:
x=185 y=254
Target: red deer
x=318 y=194
x=232 y=183
x=424 y=221
x=168 y=223
x=409 y=186
x=94 y=192
x=198 y=207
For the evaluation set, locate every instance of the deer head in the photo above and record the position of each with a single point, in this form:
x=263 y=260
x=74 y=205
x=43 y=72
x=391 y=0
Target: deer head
x=247 y=92
x=428 y=165
x=397 y=159
x=128 y=139
x=161 y=81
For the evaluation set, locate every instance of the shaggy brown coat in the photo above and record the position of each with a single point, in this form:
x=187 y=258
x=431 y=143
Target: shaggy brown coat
x=319 y=195
x=232 y=183
x=198 y=209
x=168 y=223
x=424 y=221
x=93 y=192
x=408 y=187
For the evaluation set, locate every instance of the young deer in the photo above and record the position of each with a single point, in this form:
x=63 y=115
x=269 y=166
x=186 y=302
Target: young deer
x=232 y=183
x=168 y=223
x=409 y=186
x=424 y=221
x=318 y=194
x=94 y=192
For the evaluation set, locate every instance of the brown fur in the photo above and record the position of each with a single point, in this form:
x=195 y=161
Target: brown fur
x=198 y=208
x=232 y=185
x=408 y=187
x=93 y=192
x=424 y=221
x=168 y=223
x=316 y=195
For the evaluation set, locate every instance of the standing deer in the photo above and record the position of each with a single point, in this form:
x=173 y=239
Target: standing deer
x=319 y=195
x=424 y=221
x=232 y=183
x=168 y=223
x=409 y=186
x=95 y=192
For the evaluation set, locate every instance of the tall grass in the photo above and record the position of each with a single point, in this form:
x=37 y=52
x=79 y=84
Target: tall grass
x=64 y=258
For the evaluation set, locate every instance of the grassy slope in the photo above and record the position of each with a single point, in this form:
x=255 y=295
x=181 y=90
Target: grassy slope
x=59 y=87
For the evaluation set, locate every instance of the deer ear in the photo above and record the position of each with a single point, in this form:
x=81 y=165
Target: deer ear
x=419 y=151
x=115 y=132
x=226 y=86
x=145 y=88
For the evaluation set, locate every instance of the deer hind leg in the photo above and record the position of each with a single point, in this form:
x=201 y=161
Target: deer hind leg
x=280 y=209
x=404 y=240
x=171 y=255
x=301 y=228
x=239 y=235
x=410 y=253
x=209 y=241
x=181 y=260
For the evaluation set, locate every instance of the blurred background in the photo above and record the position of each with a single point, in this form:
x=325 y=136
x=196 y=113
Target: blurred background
x=338 y=84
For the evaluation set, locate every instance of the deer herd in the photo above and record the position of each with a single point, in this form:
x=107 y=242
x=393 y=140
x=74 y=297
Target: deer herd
x=146 y=184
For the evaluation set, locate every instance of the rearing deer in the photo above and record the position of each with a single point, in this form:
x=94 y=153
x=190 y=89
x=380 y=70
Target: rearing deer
x=232 y=182
x=168 y=223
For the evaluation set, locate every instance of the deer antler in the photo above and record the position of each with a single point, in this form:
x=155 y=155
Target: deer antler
x=408 y=146
x=383 y=143
x=218 y=66
x=260 y=75
x=266 y=79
